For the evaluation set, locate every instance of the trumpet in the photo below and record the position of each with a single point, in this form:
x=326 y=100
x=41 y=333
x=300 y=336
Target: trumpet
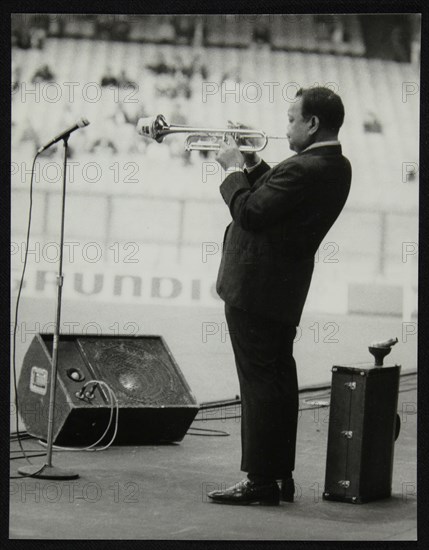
x=201 y=139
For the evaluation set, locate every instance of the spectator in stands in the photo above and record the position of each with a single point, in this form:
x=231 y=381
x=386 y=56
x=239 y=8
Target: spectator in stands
x=124 y=133
x=331 y=29
x=103 y=145
x=124 y=81
x=323 y=26
x=280 y=217
x=21 y=31
x=121 y=28
x=39 y=27
x=159 y=66
x=16 y=78
x=398 y=41
x=109 y=79
x=181 y=67
x=37 y=38
x=103 y=26
x=184 y=73
x=231 y=76
x=173 y=86
x=177 y=148
x=411 y=175
x=166 y=30
x=199 y=68
x=371 y=123
x=181 y=86
x=24 y=135
x=43 y=74
x=166 y=85
x=337 y=31
x=416 y=37
x=261 y=32
x=133 y=110
x=184 y=26
x=57 y=25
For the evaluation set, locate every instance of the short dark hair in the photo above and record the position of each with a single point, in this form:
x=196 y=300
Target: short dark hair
x=323 y=103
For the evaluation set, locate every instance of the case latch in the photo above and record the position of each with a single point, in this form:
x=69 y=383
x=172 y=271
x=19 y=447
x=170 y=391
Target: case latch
x=344 y=483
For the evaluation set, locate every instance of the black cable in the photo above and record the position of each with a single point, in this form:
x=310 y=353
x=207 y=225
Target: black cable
x=217 y=405
x=217 y=418
x=22 y=477
x=15 y=325
x=412 y=373
x=22 y=437
x=29 y=475
x=219 y=433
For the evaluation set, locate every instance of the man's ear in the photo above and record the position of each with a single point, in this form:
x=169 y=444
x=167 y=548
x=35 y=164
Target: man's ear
x=314 y=124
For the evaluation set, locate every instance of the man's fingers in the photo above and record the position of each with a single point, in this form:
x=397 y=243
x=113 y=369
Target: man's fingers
x=223 y=145
x=222 y=148
x=226 y=142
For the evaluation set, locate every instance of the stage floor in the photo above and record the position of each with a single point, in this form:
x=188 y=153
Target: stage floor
x=159 y=492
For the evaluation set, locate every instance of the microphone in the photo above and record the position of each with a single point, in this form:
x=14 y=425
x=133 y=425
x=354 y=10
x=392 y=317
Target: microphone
x=81 y=123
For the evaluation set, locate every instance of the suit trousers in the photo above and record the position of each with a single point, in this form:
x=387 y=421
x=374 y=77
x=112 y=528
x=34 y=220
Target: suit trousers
x=263 y=350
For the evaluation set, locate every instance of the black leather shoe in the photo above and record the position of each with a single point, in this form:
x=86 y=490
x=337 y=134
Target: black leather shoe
x=287 y=490
x=246 y=492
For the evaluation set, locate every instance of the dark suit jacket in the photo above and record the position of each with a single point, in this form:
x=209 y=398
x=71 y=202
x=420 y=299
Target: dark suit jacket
x=280 y=217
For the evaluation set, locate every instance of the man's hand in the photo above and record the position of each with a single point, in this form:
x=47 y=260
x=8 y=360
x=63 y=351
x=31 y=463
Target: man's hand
x=250 y=158
x=229 y=155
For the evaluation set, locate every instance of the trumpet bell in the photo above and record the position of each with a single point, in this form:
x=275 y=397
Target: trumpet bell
x=155 y=127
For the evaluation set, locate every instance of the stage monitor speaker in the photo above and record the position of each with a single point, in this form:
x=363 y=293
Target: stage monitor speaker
x=156 y=404
x=363 y=426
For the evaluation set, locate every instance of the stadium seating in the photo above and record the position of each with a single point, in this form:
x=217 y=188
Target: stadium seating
x=248 y=84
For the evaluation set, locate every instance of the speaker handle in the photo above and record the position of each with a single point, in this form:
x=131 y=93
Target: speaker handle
x=397 y=426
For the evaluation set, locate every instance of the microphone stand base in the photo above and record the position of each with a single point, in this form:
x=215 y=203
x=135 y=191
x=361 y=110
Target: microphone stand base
x=46 y=472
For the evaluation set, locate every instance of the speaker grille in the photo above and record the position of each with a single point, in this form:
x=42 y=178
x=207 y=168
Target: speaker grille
x=140 y=370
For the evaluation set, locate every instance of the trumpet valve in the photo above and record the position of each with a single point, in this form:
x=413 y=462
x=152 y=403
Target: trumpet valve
x=200 y=142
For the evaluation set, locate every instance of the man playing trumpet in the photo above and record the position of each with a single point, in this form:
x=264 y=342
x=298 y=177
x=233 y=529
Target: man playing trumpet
x=279 y=218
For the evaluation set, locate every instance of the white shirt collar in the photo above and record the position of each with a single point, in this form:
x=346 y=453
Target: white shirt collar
x=321 y=144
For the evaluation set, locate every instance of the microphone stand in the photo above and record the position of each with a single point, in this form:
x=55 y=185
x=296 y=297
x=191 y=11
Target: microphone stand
x=47 y=470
